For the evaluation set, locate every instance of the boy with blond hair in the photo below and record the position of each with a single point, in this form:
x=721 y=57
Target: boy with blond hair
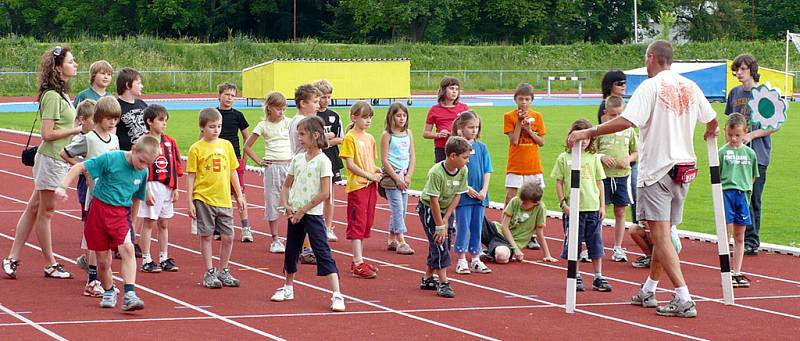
x=211 y=170
x=101 y=73
x=121 y=178
x=334 y=135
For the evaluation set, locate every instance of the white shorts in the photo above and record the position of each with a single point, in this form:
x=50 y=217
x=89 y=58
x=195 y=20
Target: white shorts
x=516 y=180
x=162 y=207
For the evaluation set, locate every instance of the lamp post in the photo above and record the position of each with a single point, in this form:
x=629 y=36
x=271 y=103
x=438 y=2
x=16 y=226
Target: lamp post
x=635 y=22
x=294 y=20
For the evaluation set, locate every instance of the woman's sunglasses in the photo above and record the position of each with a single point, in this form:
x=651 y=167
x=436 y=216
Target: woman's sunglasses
x=619 y=83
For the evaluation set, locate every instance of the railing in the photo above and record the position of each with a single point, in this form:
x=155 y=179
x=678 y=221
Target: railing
x=23 y=83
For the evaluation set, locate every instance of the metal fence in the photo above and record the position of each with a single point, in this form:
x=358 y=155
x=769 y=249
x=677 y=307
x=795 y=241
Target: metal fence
x=24 y=82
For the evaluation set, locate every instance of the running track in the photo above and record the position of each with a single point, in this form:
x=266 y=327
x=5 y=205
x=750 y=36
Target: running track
x=516 y=301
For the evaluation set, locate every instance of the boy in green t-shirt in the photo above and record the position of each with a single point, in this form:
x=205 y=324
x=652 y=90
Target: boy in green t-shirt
x=738 y=169
x=524 y=215
x=446 y=181
x=616 y=152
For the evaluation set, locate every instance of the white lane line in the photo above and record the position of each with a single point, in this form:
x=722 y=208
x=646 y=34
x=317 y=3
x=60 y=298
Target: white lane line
x=28 y=322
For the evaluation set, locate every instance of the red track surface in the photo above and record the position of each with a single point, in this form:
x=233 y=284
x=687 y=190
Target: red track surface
x=516 y=301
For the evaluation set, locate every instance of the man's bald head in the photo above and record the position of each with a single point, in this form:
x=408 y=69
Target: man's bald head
x=662 y=52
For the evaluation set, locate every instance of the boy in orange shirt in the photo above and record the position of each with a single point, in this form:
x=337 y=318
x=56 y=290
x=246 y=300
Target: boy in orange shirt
x=525 y=129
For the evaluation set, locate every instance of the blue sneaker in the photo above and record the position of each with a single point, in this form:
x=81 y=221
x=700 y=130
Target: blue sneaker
x=109 y=299
x=131 y=302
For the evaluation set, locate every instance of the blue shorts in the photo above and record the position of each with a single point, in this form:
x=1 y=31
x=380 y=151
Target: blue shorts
x=737 y=209
x=438 y=255
x=588 y=232
x=618 y=191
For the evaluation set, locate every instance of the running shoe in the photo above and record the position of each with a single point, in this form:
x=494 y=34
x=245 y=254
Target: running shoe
x=337 y=302
x=533 y=244
x=428 y=283
x=151 y=267
x=392 y=245
x=226 y=278
x=676 y=308
x=579 y=284
x=169 y=265
x=462 y=267
x=109 y=299
x=131 y=302
x=601 y=284
x=81 y=262
x=56 y=271
x=364 y=271
x=247 y=235
x=93 y=289
x=584 y=257
x=479 y=267
x=444 y=290
x=332 y=238
x=10 y=267
x=210 y=279
x=619 y=255
x=644 y=299
x=405 y=249
x=283 y=293
x=277 y=246
x=642 y=262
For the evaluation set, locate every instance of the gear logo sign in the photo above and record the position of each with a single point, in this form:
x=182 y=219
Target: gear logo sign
x=767 y=107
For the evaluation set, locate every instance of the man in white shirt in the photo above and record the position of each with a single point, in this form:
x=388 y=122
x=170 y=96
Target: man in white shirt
x=666 y=107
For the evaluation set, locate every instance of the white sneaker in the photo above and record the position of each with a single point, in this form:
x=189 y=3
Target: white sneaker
x=619 y=255
x=462 y=267
x=331 y=235
x=247 y=235
x=337 y=302
x=285 y=293
x=277 y=246
x=93 y=289
x=57 y=271
x=584 y=257
x=479 y=267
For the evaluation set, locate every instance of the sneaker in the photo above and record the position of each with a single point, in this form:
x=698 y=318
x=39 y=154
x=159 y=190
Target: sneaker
x=10 y=267
x=332 y=238
x=462 y=267
x=93 y=289
x=642 y=262
x=226 y=278
x=56 y=271
x=428 y=283
x=308 y=257
x=131 y=302
x=601 y=284
x=444 y=290
x=584 y=257
x=217 y=236
x=247 y=235
x=479 y=267
x=168 y=265
x=283 y=293
x=210 y=279
x=619 y=255
x=677 y=308
x=363 y=270
x=392 y=245
x=277 y=246
x=151 y=267
x=579 y=284
x=486 y=258
x=81 y=262
x=109 y=299
x=750 y=251
x=533 y=244
x=405 y=249
x=644 y=299
x=337 y=302
x=137 y=251
x=740 y=281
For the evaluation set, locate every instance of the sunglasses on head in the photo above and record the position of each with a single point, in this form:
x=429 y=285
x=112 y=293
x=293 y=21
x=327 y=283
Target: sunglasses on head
x=619 y=83
x=57 y=50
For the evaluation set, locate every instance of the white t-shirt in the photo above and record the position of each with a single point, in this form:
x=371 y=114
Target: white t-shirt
x=666 y=109
x=276 y=139
x=308 y=176
x=294 y=139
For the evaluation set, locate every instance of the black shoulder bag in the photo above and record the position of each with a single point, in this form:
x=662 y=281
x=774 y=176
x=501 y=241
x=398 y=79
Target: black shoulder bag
x=29 y=153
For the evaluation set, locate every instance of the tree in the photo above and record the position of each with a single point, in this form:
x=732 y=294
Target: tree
x=410 y=19
x=709 y=20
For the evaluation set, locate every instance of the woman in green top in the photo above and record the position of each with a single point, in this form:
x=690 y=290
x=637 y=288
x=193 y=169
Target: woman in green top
x=58 y=66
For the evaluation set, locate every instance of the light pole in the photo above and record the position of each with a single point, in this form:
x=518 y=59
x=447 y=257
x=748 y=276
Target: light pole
x=635 y=22
x=294 y=20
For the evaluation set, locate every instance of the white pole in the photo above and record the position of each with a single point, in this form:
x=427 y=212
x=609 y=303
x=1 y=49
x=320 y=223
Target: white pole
x=572 y=232
x=719 y=220
x=635 y=22
x=786 y=91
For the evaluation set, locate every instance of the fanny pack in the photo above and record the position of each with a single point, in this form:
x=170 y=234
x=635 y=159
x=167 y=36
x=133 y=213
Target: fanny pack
x=684 y=172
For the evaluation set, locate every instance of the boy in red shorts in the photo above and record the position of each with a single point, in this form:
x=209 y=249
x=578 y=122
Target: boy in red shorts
x=122 y=177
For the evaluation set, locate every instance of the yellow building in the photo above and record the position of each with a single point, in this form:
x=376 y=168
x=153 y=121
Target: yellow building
x=369 y=79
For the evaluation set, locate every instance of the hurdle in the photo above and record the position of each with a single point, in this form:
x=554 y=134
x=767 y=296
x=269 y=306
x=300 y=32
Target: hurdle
x=719 y=220
x=572 y=234
x=565 y=78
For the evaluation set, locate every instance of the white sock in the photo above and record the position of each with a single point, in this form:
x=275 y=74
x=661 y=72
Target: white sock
x=598 y=275
x=476 y=258
x=162 y=256
x=683 y=294
x=650 y=285
x=288 y=288
x=146 y=258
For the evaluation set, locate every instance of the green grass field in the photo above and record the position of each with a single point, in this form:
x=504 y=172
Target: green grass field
x=778 y=225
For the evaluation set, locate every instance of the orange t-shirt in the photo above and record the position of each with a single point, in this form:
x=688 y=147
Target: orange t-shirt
x=523 y=158
x=363 y=149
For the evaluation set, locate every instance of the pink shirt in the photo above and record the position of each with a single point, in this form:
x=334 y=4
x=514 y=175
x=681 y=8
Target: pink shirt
x=442 y=118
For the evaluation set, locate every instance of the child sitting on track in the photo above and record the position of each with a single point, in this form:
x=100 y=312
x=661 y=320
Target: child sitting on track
x=306 y=187
x=121 y=177
x=447 y=180
x=524 y=215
